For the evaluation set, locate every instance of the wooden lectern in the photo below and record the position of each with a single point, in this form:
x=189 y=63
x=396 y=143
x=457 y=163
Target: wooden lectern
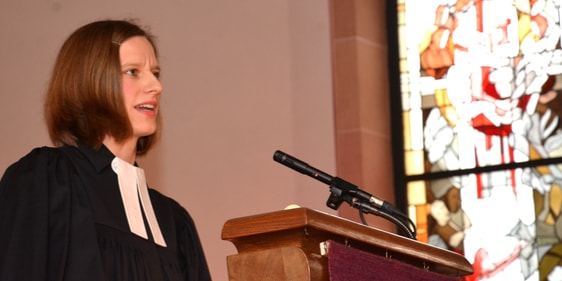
x=287 y=245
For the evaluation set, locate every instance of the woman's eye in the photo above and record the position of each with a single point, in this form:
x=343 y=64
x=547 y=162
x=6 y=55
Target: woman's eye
x=132 y=72
x=157 y=74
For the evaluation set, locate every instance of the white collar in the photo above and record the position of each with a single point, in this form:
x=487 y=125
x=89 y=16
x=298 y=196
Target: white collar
x=132 y=184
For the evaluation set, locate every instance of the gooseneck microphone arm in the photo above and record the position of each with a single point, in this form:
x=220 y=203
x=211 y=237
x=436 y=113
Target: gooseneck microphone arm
x=342 y=190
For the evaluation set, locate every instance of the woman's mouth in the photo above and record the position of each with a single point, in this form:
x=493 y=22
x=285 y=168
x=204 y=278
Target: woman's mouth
x=146 y=107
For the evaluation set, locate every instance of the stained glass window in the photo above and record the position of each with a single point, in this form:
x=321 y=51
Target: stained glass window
x=480 y=95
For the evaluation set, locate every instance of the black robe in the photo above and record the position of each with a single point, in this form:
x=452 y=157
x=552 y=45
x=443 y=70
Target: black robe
x=62 y=218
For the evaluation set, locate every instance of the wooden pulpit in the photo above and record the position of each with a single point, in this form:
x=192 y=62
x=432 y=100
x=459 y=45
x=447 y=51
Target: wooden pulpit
x=291 y=245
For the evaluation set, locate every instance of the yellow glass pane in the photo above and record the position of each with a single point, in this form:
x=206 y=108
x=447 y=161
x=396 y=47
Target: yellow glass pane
x=414 y=160
x=416 y=193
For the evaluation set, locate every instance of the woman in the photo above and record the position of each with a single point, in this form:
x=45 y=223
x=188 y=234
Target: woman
x=81 y=210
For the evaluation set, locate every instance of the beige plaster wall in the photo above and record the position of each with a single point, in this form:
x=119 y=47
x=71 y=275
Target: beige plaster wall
x=241 y=78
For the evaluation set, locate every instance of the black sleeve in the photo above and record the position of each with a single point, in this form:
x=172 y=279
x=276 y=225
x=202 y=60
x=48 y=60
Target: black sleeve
x=190 y=248
x=24 y=219
x=36 y=224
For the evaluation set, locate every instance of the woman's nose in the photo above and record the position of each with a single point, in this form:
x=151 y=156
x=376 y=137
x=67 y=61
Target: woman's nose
x=154 y=85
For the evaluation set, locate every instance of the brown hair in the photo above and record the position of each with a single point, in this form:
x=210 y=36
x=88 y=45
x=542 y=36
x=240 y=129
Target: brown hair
x=84 y=100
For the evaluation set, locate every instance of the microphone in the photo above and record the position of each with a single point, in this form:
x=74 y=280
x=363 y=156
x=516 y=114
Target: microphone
x=301 y=166
x=342 y=190
x=308 y=170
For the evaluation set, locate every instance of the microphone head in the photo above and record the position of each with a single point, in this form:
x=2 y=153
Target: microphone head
x=279 y=156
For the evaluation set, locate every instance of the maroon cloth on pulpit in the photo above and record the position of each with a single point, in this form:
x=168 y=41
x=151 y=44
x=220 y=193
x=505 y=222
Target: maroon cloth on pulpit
x=346 y=263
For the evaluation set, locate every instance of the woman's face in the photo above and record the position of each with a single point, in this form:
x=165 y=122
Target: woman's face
x=141 y=85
